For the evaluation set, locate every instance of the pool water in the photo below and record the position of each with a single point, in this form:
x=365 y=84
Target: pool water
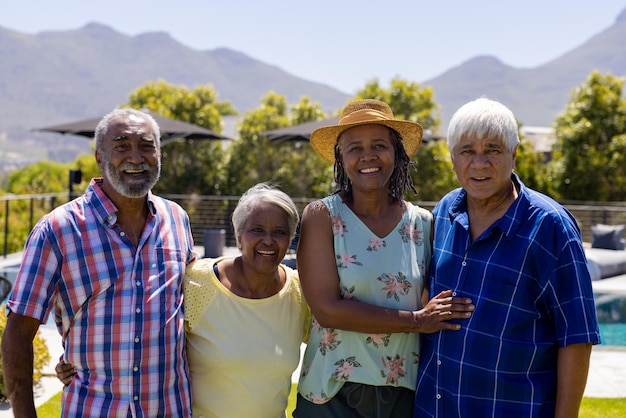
x=611 y=311
x=613 y=334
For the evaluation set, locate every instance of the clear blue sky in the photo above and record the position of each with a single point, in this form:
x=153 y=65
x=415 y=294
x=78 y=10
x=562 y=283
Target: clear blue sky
x=343 y=43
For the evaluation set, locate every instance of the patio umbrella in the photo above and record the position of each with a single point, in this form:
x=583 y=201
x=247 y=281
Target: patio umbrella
x=171 y=129
x=302 y=132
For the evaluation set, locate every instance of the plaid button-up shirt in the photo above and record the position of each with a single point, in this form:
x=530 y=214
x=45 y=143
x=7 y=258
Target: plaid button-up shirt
x=118 y=308
x=528 y=278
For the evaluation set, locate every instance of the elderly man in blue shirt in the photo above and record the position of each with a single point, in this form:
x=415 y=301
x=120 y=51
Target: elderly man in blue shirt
x=519 y=256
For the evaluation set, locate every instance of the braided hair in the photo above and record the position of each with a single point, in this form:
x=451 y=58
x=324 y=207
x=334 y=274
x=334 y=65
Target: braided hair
x=400 y=181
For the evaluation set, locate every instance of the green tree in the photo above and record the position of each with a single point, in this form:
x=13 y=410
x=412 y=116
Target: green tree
x=88 y=166
x=408 y=100
x=252 y=159
x=293 y=166
x=435 y=176
x=589 y=157
x=41 y=177
x=189 y=166
x=302 y=172
x=531 y=168
x=414 y=102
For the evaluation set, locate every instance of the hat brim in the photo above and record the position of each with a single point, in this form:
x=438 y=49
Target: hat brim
x=323 y=139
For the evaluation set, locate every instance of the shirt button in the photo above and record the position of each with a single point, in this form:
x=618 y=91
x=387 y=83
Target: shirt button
x=136 y=397
x=138 y=283
x=122 y=234
x=438 y=396
x=136 y=339
x=438 y=362
x=138 y=310
x=464 y=264
x=135 y=368
x=453 y=293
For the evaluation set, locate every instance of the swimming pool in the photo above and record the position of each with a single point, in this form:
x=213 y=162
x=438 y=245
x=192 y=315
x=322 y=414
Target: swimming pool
x=611 y=309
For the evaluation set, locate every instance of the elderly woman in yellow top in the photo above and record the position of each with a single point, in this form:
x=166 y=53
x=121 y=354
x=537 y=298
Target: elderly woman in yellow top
x=245 y=316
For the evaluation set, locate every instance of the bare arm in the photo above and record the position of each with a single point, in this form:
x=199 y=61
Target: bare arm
x=320 y=283
x=17 y=363
x=572 y=370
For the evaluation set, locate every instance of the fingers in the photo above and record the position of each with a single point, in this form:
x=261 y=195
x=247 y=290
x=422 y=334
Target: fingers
x=63 y=368
x=454 y=302
x=442 y=309
x=65 y=372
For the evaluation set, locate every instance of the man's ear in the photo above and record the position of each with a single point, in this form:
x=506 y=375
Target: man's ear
x=99 y=159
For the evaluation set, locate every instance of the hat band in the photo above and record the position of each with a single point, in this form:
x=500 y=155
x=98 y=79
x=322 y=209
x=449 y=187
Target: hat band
x=364 y=115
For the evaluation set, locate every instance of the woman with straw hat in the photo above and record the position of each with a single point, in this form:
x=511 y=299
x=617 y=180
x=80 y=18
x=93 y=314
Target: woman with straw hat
x=363 y=260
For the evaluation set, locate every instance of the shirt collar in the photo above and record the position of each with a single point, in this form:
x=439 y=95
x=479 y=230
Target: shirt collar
x=510 y=222
x=104 y=207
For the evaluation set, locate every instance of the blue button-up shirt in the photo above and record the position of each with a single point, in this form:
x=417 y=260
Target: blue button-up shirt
x=527 y=276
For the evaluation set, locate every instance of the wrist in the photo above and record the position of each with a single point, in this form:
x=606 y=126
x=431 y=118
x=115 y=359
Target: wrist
x=415 y=322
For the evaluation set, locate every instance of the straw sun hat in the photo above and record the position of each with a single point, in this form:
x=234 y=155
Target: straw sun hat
x=363 y=112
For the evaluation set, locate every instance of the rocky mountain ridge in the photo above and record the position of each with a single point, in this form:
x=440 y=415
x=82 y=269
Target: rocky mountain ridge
x=62 y=76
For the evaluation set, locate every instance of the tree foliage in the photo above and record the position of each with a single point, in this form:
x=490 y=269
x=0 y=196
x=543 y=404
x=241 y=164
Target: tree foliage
x=530 y=167
x=434 y=177
x=589 y=157
x=414 y=102
x=41 y=177
x=408 y=100
x=293 y=166
x=188 y=166
x=588 y=162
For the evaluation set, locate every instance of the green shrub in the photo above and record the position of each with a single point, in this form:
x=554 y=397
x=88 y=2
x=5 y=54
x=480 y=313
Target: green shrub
x=42 y=355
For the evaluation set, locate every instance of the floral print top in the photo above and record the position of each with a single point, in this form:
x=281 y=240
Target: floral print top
x=385 y=271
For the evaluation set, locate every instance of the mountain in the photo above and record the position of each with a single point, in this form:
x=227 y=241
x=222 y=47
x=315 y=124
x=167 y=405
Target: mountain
x=62 y=76
x=535 y=95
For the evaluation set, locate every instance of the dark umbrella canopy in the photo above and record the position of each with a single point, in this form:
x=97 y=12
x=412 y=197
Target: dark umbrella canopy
x=300 y=132
x=303 y=131
x=170 y=129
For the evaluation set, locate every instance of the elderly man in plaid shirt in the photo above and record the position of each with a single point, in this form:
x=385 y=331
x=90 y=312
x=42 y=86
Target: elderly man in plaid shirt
x=108 y=266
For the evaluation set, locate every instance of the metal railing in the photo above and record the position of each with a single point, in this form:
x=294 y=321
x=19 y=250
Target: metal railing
x=214 y=212
x=17 y=206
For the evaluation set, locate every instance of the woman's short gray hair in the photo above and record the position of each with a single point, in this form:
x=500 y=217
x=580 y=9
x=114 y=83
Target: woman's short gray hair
x=258 y=195
x=103 y=125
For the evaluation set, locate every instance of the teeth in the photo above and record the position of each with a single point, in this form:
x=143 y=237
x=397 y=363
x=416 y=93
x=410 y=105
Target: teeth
x=267 y=252
x=134 y=171
x=369 y=170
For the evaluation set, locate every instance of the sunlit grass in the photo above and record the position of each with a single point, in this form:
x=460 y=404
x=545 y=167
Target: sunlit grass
x=52 y=408
x=590 y=408
x=602 y=407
